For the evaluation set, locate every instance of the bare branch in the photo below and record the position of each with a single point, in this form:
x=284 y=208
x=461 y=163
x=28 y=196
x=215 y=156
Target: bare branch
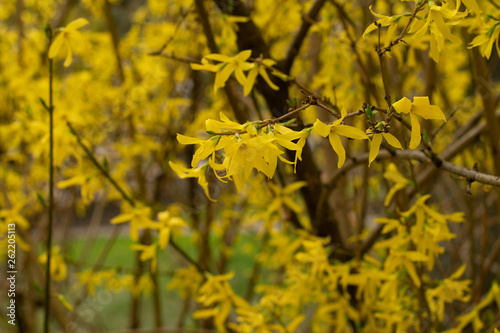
x=301 y=34
x=468 y=174
x=124 y=195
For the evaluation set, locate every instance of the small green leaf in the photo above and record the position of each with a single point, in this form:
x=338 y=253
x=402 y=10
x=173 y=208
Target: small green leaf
x=216 y=137
x=369 y=112
x=37 y=288
x=44 y=104
x=48 y=31
x=211 y=132
x=41 y=199
x=425 y=136
x=105 y=164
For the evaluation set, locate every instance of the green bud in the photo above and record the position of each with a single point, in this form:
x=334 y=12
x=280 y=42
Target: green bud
x=44 y=104
x=369 y=112
x=425 y=136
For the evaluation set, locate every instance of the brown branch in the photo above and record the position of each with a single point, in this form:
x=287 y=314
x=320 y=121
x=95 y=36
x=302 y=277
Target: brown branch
x=463 y=139
x=468 y=174
x=301 y=34
x=186 y=60
x=266 y=122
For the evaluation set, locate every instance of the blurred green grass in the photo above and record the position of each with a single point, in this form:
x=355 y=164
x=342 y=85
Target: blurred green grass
x=109 y=311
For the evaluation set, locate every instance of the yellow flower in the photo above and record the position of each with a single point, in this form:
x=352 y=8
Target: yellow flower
x=438 y=28
x=283 y=197
x=167 y=224
x=393 y=175
x=377 y=140
x=228 y=65
x=147 y=252
x=199 y=172
x=335 y=130
x=421 y=107
x=257 y=69
x=58 y=269
x=448 y=291
x=63 y=40
x=384 y=21
x=486 y=40
x=138 y=218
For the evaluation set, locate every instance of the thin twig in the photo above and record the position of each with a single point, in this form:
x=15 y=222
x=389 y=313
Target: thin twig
x=437 y=130
x=126 y=197
x=267 y=122
x=51 y=189
x=414 y=155
x=186 y=60
x=418 y=8
x=183 y=16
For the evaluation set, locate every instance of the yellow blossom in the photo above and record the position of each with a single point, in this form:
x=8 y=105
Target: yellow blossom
x=199 y=172
x=62 y=41
x=335 y=130
x=438 y=28
x=58 y=270
x=383 y=21
x=377 y=141
x=167 y=224
x=139 y=218
x=486 y=40
x=148 y=252
x=228 y=65
x=422 y=107
x=400 y=181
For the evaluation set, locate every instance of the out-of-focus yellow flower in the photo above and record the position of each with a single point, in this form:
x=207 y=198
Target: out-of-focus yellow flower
x=167 y=224
x=70 y=32
x=400 y=181
x=148 y=252
x=486 y=40
x=58 y=269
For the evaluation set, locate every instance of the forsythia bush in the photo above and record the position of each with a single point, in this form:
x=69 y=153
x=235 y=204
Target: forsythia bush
x=354 y=143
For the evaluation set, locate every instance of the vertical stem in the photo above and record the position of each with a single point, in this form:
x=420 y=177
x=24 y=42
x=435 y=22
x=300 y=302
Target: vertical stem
x=51 y=194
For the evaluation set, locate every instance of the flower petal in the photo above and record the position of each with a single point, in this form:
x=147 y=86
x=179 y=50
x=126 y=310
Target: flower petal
x=187 y=140
x=403 y=105
x=338 y=148
x=56 y=46
x=392 y=140
x=321 y=128
x=423 y=108
x=374 y=147
x=76 y=24
x=350 y=132
x=69 y=55
x=415 y=131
